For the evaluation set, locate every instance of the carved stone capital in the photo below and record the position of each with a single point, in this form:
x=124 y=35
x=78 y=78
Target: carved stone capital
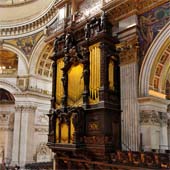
x=25 y=108
x=128 y=51
x=149 y=117
x=163 y=118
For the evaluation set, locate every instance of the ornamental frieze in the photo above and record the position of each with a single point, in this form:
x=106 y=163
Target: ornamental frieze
x=149 y=117
x=25 y=108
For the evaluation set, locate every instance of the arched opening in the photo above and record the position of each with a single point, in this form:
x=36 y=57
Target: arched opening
x=8 y=63
x=6 y=97
x=155 y=65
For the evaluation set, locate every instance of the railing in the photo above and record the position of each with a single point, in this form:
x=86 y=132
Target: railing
x=120 y=160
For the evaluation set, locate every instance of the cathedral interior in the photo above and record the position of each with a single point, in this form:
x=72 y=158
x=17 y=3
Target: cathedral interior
x=85 y=84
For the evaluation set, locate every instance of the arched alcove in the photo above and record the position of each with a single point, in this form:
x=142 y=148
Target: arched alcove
x=6 y=97
x=22 y=60
x=8 y=62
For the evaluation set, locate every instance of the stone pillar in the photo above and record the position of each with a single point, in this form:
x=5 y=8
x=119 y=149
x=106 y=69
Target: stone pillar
x=129 y=86
x=17 y=128
x=163 y=131
x=23 y=134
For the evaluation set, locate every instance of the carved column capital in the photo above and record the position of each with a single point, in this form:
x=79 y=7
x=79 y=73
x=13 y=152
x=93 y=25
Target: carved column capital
x=149 y=117
x=25 y=108
x=163 y=118
x=128 y=51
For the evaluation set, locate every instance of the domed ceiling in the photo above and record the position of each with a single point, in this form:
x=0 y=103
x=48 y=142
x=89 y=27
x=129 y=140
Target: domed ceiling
x=13 y=2
x=21 y=11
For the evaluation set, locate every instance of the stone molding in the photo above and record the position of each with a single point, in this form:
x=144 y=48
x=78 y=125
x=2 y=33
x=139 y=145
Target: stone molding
x=149 y=117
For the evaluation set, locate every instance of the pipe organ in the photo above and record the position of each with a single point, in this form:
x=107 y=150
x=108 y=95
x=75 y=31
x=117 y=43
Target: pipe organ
x=84 y=118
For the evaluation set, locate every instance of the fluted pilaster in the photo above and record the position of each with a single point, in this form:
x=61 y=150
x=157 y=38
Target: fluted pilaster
x=129 y=104
x=23 y=134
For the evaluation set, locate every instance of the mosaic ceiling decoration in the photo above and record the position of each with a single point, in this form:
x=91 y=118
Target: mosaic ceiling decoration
x=26 y=44
x=151 y=23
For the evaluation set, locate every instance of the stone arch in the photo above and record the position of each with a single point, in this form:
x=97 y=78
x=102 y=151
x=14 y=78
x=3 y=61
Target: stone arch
x=36 y=54
x=12 y=88
x=160 y=44
x=22 y=58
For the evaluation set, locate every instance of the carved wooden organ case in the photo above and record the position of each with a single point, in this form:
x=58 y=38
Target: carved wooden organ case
x=85 y=106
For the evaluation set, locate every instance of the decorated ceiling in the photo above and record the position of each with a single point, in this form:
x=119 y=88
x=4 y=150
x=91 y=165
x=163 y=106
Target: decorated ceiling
x=13 y=14
x=14 y=2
